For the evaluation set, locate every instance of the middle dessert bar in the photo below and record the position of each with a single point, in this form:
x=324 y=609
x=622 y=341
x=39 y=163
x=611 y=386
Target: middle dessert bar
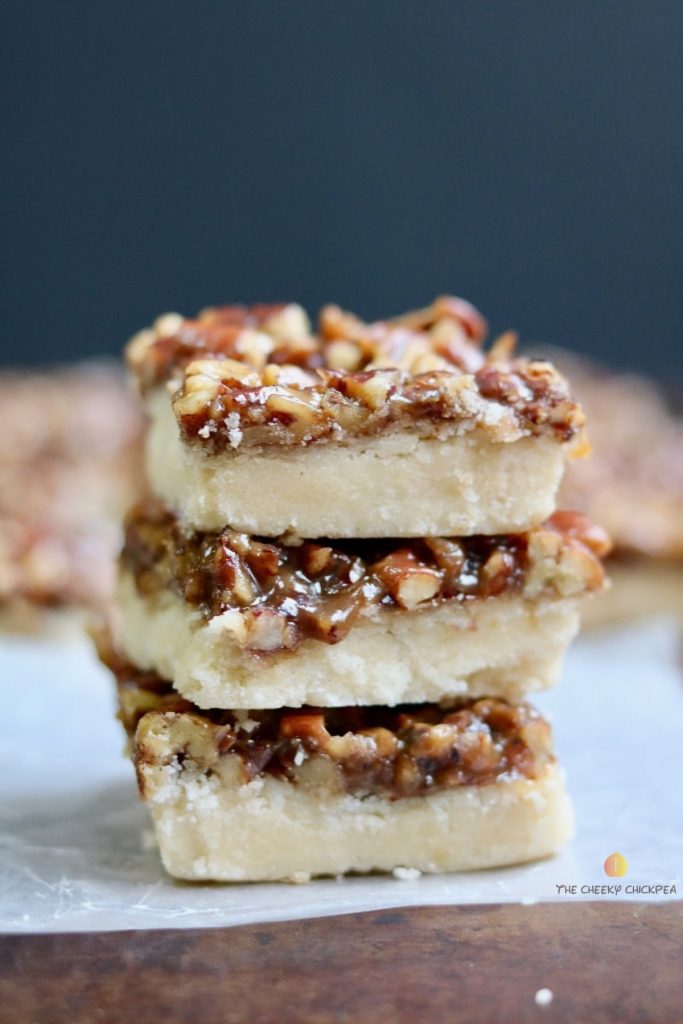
x=238 y=622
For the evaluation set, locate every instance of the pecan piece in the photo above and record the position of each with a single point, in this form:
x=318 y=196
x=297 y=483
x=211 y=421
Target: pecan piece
x=315 y=558
x=309 y=727
x=407 y=580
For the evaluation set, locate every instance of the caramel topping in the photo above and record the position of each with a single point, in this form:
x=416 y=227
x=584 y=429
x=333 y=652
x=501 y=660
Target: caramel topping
x=409 y=750
x=277 y=596
x=259 y=376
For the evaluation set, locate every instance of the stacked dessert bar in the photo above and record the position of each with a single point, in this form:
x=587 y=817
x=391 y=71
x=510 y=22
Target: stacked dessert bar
x=349 y=577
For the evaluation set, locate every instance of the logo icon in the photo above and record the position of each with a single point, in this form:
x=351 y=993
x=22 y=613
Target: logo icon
x=616 y=865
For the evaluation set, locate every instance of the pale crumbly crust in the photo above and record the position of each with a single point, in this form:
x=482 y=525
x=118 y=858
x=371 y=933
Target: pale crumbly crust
x=268 y=831
x=503 y=647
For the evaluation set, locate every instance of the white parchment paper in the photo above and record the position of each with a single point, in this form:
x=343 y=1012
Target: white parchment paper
x=77 y=852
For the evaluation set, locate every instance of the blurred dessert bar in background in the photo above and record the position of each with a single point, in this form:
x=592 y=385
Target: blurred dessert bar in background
x=633 y=486
x=69 y=466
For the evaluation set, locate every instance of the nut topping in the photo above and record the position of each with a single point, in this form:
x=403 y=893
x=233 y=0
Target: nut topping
x=273 y=596
x=260 y=377
x=407 y=580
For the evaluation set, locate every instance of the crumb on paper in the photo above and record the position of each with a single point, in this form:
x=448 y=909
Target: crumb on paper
x=543 y=997
x=407 y=874
x=300 y=877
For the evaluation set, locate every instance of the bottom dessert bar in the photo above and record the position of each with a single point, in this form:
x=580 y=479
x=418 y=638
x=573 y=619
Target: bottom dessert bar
x=294 y=793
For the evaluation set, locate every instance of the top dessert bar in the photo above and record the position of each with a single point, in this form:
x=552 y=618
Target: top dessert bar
x=405 y=427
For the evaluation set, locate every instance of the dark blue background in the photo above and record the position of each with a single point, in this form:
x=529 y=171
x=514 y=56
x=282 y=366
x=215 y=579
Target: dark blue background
x=527 y=155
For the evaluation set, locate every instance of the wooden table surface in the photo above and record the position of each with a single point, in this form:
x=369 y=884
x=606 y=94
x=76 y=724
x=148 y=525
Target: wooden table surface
x=603 y=962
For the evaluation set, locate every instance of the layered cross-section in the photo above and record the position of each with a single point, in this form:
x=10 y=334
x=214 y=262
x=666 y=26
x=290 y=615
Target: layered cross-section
x=241 y=622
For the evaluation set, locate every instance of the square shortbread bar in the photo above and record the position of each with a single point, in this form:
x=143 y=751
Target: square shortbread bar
x=405 y=427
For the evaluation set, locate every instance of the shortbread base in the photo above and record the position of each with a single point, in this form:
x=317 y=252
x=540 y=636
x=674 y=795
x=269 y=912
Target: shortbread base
x=392 y=485
x=271 y=830
x=498 y=647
